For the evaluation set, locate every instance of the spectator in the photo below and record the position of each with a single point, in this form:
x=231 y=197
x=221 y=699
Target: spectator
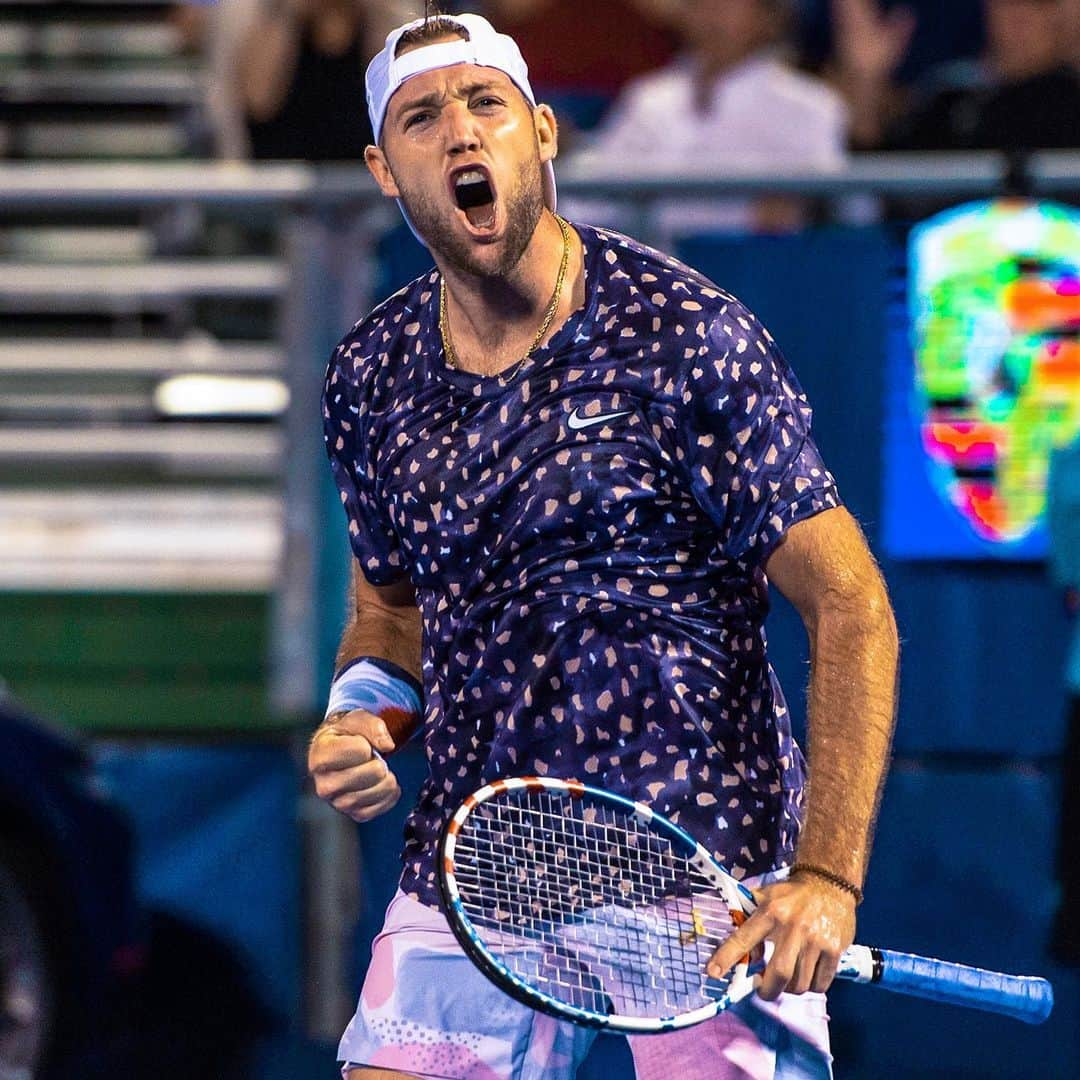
x=286 y=77
x=729 y=102
x=1023 y=94
x=945 y=32
x=580 y=83
x=301 y=72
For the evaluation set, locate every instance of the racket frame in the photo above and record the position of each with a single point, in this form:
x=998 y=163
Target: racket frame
x=735 y=895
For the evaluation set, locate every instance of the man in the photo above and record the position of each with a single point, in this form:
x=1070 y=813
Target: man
x=567 y=462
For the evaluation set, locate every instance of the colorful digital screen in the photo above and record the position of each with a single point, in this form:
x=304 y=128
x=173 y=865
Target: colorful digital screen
x=984 y=380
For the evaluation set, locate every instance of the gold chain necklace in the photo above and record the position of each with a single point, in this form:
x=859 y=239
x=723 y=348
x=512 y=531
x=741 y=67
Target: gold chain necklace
x=549 y=315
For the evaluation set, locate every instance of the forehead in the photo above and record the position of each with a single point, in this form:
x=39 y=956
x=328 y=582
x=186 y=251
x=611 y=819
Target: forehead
x=449 y=82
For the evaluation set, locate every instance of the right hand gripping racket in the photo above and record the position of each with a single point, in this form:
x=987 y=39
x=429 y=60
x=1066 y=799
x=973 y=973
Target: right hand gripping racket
x=599 y=910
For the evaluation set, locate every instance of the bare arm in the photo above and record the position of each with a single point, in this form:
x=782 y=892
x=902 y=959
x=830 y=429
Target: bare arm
x=266 y=58
x=384 y=621
x=870 y=46
x=826 y=570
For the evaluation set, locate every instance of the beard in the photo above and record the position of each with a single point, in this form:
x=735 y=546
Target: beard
x=524 y=204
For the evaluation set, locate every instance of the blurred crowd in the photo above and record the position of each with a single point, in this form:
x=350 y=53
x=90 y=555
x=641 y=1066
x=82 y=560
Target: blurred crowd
x=676 y=85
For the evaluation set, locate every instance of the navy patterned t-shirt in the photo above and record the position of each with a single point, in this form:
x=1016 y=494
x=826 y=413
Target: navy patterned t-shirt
x=586 y=535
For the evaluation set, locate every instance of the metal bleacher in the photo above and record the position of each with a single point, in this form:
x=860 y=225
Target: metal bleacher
x=94 y=79
x=117 y=503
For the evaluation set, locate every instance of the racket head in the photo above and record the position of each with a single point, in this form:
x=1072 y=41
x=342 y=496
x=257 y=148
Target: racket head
x=589 y=906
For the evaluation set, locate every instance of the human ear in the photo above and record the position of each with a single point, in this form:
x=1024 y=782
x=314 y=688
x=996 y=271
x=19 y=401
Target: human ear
x=379 y=168
x=547 y=132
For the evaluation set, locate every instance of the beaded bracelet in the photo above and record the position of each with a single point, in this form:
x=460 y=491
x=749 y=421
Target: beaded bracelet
x=830 y=877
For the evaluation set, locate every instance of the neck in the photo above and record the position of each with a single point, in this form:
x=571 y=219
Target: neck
x=493 y=318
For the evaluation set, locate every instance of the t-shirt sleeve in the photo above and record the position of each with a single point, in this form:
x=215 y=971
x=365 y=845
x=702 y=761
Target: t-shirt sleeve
x=744 y=439
x=371 y=533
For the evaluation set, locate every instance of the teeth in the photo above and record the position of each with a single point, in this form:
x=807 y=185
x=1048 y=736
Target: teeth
x=470 y=176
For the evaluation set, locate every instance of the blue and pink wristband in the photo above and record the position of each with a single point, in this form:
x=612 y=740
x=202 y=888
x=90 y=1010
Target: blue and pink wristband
x=381 y=688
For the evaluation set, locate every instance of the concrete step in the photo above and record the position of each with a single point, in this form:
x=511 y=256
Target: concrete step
x=55 y=139
x=71 y=40
x=76 y=243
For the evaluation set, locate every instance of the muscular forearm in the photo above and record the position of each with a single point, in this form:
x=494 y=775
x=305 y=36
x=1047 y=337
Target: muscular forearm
x=852 y=707
x=375 y=634
x=384 y=623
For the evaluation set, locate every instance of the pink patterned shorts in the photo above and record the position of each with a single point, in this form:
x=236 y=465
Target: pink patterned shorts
x=426 y=1010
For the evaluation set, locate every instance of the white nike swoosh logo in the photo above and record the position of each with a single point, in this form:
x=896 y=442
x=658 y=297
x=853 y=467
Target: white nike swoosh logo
x=577 y=423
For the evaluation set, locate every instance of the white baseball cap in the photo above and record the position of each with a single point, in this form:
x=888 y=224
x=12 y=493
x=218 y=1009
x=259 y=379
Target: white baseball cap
x=485 y=47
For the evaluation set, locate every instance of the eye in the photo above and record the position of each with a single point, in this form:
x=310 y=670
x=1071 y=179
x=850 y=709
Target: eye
x=486 y=102
x=417 y=118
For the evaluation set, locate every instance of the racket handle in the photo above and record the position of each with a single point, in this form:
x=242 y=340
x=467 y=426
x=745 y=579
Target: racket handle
x=1023 y=997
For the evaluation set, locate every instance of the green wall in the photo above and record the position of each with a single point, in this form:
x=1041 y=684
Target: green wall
x=141 y=663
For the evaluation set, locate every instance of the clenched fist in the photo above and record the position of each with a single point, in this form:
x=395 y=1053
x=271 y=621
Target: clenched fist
x=345 y=762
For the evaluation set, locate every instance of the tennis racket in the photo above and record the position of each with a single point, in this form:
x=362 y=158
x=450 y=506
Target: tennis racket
x=599 y=910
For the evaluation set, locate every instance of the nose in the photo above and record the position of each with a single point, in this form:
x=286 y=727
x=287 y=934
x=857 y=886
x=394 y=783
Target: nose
x=462 y=136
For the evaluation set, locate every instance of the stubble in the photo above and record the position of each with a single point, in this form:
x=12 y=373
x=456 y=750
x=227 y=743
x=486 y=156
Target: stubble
x=523 y=205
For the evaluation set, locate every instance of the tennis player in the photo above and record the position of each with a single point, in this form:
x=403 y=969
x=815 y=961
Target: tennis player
x=571 y=466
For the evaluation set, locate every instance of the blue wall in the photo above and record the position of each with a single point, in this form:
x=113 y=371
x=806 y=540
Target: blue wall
x=218 y=848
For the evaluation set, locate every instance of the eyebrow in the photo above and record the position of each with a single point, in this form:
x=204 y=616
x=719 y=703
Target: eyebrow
x=435 y=99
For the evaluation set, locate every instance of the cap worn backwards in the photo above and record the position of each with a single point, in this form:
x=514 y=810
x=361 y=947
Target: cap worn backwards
x=485 y=47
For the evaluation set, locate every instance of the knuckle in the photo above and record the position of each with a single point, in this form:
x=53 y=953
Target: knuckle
x=342 y=800
x=783 y=972
x=372 y=810
x=774 y=912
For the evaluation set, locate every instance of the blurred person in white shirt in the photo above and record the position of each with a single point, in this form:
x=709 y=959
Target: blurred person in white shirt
x=730 y=103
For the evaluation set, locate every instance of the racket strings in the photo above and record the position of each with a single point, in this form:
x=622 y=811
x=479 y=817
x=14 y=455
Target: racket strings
x=589 y=904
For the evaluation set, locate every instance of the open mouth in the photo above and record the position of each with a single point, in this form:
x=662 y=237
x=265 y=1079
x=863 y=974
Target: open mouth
x=475 y=196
